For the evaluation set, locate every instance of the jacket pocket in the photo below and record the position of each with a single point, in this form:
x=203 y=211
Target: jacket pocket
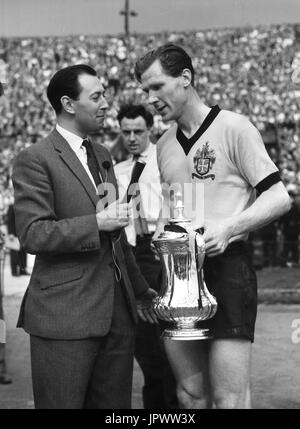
x=60 y=277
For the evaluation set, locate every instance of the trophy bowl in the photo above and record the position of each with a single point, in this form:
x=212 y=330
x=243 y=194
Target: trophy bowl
x=184 y=299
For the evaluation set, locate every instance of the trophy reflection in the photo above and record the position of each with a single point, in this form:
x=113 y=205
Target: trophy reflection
x=184 y=299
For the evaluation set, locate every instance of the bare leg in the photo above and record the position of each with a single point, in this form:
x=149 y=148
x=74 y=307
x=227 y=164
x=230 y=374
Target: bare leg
x=189 y=361
x=229 y=369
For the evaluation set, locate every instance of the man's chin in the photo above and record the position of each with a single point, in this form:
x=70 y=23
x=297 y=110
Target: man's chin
x=95 y=130
x=99 y=125
x=134 y=152
x=167 y=117
x=166 y=114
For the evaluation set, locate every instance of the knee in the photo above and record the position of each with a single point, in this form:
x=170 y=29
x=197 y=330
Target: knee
x=231 y=400
x=188 y=398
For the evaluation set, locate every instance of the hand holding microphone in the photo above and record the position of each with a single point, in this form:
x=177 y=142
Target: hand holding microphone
x=114 y=216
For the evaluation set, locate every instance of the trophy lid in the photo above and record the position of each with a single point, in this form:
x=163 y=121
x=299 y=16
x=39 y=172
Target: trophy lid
x=178 y=216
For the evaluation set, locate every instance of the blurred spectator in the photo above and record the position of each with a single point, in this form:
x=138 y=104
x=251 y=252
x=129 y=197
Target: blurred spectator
x=269 y=244
x=289 y=224
x=4 y=376
x=18 y=256
x=255 y=246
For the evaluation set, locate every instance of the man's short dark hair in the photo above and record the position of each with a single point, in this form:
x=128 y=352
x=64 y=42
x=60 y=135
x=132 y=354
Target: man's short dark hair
x=172 y=58
x=133 y=111
x=65 y=82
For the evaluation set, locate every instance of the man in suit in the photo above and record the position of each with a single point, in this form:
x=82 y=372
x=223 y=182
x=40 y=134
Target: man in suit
x=80 y=308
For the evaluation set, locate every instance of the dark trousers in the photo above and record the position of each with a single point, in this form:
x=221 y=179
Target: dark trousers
x=2 y=346
x=18 y=261
x=90 y=373
x=159 y=390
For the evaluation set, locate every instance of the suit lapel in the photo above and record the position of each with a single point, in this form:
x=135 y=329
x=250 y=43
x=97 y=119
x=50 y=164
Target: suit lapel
x=71 y=160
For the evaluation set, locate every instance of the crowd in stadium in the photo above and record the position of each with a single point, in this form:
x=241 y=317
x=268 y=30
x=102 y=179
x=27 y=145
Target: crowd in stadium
x=247 y=70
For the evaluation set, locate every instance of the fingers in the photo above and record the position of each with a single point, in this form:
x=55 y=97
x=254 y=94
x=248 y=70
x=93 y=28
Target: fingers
x=147 y=315
x=122 y=223
x=214 y=249
x=151 y=316
x=108 y=221
x=213 y=253
x=145 y=307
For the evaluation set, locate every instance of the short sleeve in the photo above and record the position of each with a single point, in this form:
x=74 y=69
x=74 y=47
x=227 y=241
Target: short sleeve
x=251 y=156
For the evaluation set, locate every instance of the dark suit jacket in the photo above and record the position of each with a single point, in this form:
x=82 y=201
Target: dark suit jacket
x=71 y=290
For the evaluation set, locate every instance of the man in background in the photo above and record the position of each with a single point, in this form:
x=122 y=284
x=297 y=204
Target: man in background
x=289 y=226
x=159 y=390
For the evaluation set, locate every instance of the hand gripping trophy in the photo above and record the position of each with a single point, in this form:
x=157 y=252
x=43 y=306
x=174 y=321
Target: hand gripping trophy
x=184 y=299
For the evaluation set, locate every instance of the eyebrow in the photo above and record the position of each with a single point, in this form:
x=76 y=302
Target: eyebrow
x=151 y=85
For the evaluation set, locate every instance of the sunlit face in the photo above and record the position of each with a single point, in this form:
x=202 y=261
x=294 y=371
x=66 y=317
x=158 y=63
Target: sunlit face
x=135 y=134
x=166 y=93
x=91 y=106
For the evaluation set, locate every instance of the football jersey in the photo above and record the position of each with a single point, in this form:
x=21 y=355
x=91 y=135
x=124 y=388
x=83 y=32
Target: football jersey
x=226 y=155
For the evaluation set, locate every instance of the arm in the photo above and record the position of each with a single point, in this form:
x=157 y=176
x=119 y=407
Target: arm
x=270 y=205
x=247 y=152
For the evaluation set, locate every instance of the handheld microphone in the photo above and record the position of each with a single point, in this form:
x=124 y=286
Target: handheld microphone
x=106 y=165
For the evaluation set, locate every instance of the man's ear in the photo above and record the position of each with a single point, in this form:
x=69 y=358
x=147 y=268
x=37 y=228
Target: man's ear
x=187 y=77
x=67 y=104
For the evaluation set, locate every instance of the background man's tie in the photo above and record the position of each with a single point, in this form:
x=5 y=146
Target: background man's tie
x=140 y=223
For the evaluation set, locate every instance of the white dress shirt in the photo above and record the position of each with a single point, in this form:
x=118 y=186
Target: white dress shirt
x=75 y=143
x=150 y=189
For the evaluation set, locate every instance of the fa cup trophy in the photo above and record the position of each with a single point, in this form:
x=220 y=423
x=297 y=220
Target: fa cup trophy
x=184 y=299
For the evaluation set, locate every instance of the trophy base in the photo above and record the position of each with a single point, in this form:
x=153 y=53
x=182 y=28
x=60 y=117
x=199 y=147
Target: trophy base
x=187 y=334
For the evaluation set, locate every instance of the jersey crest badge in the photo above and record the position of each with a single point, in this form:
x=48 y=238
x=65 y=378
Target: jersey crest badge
x=204 y=159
